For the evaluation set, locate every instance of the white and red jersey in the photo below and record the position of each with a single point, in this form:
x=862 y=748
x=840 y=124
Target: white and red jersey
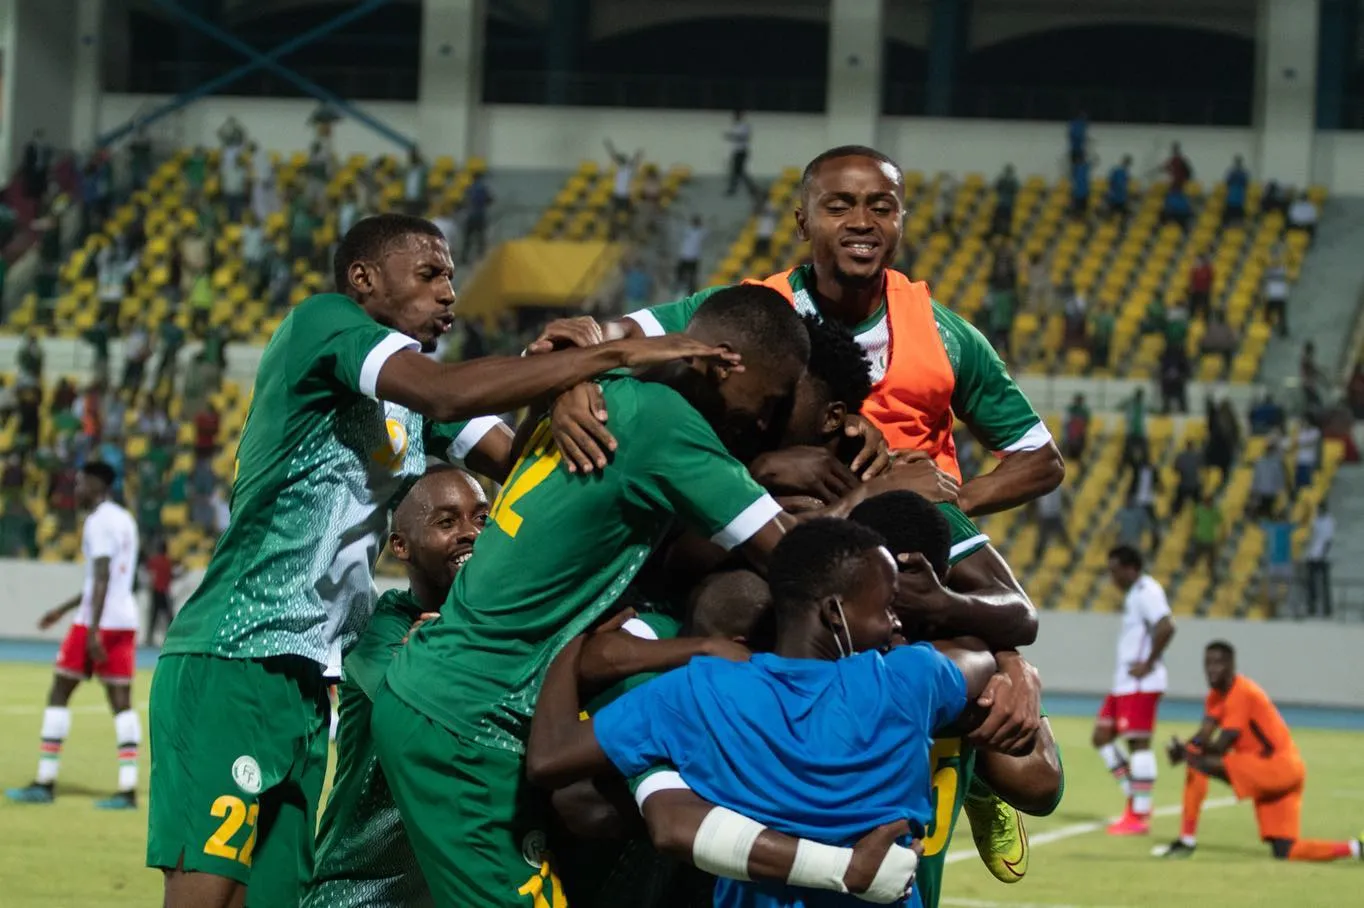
x=1143 y=606
x=110 y=532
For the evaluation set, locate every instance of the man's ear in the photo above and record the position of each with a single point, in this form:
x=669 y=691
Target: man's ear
x=397 y=543
x=831 y=615
x=834 y=416
x=721 y=371
x=801 y=232
x=362 y=276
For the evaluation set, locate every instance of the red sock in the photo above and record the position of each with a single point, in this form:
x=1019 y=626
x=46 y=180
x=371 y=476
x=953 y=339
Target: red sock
x=1195 y=790
x=1319 y=850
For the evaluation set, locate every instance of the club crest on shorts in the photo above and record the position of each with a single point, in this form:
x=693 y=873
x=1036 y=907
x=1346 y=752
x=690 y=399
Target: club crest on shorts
x=533 y=848
x=246 y=773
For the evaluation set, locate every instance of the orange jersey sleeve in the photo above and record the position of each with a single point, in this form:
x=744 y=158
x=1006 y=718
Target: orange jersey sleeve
x=1248 y=709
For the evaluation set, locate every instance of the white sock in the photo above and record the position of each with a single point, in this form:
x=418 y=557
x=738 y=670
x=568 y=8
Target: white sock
x=1143 y=768
x=1355 y=847
x=128 y=733
x=1117 y=765
x=1188 y=840
x=56 y=726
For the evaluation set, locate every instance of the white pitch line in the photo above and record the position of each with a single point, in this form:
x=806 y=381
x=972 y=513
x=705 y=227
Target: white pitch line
x=1074 y=829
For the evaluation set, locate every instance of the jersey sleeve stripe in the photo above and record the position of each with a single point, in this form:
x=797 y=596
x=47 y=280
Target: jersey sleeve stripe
x=1036 y=437
x=966 y=546
x=660 y=780
x=375 y=359
x=469 y=437
x=752 y=519
x=636 y=628
x=648 y=322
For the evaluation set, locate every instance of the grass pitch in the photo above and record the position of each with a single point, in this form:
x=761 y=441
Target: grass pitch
x=69 y=855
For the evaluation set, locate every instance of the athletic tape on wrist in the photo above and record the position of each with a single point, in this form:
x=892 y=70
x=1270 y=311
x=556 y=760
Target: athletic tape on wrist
x=820 y=866
x=723 y=843
x=893 y=878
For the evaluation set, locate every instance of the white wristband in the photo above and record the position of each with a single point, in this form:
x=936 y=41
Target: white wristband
x=820 y=866
x=723 y=843
x=893 y=878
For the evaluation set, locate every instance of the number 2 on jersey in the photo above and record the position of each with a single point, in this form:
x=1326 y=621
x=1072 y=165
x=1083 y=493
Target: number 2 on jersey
x=533 y=468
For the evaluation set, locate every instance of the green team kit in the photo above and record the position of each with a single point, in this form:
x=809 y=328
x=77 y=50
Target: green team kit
x=239 y=712
x=452 y=720
x=984 y=396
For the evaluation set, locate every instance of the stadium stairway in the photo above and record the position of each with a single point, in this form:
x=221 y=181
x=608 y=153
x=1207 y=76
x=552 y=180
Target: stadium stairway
x=1325 y=298
x=1347 y=551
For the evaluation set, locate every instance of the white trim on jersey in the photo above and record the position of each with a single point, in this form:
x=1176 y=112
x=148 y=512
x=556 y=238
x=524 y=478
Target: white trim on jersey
x=471 y=435
x=664 y=780
x=1036 y=437
x=750 y=520
x=641 y=629
x=647 y=321
x=375 y=359
x=967 y=545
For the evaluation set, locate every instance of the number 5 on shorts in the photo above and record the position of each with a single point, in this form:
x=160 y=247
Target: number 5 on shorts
x=235 y=814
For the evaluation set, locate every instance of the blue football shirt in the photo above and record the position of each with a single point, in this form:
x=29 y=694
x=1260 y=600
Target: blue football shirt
x=821 y=750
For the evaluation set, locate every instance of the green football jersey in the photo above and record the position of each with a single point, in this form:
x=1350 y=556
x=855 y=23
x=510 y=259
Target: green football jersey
x=319 y=463
x=985 y=396
x=559 y=549
x=363 y=854
x=953 y=762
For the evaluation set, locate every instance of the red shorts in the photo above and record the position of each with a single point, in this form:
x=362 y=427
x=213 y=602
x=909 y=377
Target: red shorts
x=1131 y=715
x=120 y=656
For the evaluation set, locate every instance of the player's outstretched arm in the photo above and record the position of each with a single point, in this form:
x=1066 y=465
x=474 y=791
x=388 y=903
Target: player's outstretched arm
x=982 y=598
x=493 y=456
x=1033 y=783
x=724 y=843
x=973 y=659
x=1021 y=476
x=563 y=748
x=608 y=657
x=452 y=391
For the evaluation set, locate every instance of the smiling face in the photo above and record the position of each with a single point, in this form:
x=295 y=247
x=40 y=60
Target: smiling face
x=435 y=526
x=852 y=212
x=865 y=615
x=408 y=288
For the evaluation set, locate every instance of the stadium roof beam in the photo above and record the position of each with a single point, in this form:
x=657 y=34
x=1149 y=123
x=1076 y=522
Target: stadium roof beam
x=268 y=60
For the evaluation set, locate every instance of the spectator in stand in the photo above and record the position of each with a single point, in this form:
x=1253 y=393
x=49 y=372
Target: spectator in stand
x=638 y=285
x=172 y=341
x=12 y=476
x=1310 y=377
x=1273 y=199
x=649 y=211
x=1174 y=379
x=1119 y=187
x=1133 y=524
x=1189 y=470
x=89 y=410
x=64 y=395
x=196 y=171
x=414 y=183
x=254 y=253
x=302 y=223
x=1177 y=209
x=111 y=284
x=1277 y=579
x=1238 y=187
x=206 y=426
x=1175 y=325
x=28 y=405
x=1006 y=195
x=1302 y=215
x=1142 y=491
x=18 y=530
x=740 y=137
x=264 y=188
x=1079 y=187
x=1318 y=559
x=1354 y=391
x=688 y=272
x=1002 y=304
x=1076 y=432
x=1076 y=317
x=444 y=219
x=946 y=205
x=1206 y=538
x=150 y=498
x=1268 y=481
x=349 y=213
x=1050 y=511
x=764 y=229
x=1200 y=286
x=161 y=573
x=622 y=185
x=1101 y=327
x=232 y=175
x=1219 y=339
x=318 y=173
x=137 y=349
x=62 y=495
x=201 y=299
x=1039 y=284
x=30 y=359
x=1274 y=293
x=1077 y=137
x=1177 y=168
x=1266 y=416
x=36 y=166
x=1306 y=454
x=477 y=200
x=1135 y=445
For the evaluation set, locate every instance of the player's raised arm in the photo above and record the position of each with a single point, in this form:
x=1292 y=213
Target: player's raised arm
x=1033 y=783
